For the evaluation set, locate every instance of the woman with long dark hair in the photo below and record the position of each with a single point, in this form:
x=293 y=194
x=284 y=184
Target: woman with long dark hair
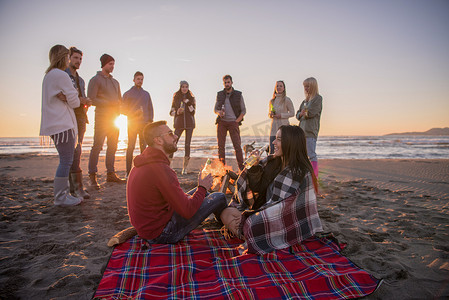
x=275 y=203
x=58 y=120
x=308 y=115
x=183 y=110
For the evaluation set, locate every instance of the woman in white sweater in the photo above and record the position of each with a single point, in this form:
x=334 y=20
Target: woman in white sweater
x=58 y=120
x=280 y=110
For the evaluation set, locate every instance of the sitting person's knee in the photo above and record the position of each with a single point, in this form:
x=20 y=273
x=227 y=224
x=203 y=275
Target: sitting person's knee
x=218 y=200
x=231 y=218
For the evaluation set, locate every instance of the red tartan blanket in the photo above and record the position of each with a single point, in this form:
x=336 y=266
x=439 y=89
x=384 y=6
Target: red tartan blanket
x=206 y=266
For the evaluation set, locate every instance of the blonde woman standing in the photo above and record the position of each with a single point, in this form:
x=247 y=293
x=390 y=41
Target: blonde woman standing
x=58 y=120
x=280 y=110
x=309 y=115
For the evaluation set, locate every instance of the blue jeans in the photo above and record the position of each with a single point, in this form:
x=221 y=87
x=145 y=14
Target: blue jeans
x=65 y=145
x=133 y=131
x=178 y=227
x=79 y=147
x=272 y=138
x=104 y=128
x=311 y=146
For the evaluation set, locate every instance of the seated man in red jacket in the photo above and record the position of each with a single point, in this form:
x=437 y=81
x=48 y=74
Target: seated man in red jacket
x=158 y=208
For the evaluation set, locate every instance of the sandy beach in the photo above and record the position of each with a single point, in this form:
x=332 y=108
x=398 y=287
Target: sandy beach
x=393 y=215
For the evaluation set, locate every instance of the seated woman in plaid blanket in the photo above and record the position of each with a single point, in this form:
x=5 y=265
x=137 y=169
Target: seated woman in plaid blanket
x=274 y=205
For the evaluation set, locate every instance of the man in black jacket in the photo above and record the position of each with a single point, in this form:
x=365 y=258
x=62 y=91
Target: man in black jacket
x=230 y=108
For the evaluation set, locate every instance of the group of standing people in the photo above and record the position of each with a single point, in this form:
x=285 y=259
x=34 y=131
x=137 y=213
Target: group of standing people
x=309 y=115
x=64 y=118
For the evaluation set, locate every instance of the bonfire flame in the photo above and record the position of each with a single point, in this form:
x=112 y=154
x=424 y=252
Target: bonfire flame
x=218 y=170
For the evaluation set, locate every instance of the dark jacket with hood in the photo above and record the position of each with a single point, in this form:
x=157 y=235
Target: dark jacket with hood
x=153 y=194
x=186 y=120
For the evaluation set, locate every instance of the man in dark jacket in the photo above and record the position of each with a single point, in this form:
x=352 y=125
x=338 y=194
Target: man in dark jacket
x=158 y=208
x=230 y=109
x=137 y=105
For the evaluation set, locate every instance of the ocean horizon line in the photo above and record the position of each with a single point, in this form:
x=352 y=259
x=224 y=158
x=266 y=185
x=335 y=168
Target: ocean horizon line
x=347 y=146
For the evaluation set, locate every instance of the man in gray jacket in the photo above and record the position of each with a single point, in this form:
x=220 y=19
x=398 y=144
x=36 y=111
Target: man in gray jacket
x=106 y=97
x=76 y=175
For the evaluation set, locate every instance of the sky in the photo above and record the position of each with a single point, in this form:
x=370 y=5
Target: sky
x=382 y=66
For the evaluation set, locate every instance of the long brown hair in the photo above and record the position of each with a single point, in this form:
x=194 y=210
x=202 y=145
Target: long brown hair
x=178 y=95
x=58 y=56
x=294 y=152
x=283 y=95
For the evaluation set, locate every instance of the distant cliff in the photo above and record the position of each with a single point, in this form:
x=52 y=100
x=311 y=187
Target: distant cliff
x=433 y=131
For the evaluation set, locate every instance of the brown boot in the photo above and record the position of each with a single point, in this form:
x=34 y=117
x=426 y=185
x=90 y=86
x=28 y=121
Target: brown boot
x=112 y=177
x=77 y=181
x=93 y=181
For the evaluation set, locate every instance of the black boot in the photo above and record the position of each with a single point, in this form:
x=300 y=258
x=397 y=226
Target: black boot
x=72 y=185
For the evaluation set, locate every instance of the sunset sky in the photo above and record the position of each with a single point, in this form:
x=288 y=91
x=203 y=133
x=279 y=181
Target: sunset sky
x=382 y=66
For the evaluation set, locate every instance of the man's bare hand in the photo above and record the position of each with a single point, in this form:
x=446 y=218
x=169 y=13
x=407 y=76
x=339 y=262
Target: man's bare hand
x=85 y=101
x=205 y=181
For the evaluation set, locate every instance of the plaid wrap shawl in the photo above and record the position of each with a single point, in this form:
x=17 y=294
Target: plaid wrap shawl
x=289 y=216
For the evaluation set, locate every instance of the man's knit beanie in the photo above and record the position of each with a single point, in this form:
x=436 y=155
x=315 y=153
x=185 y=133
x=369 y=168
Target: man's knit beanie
x=105 y=58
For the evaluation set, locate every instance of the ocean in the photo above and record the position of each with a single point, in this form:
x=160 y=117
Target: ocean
x=328 y=147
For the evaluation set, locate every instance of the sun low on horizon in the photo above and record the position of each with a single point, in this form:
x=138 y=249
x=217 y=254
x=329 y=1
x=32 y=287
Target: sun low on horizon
x=121 y=122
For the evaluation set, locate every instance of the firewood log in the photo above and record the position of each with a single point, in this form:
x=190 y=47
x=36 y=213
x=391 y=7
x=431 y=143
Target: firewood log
x=122 y=236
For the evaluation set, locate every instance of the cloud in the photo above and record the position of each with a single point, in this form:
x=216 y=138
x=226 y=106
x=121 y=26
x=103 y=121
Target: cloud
x=184 y=59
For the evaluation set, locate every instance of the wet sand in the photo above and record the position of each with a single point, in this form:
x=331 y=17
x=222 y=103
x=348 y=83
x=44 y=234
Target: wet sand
x=393 y=215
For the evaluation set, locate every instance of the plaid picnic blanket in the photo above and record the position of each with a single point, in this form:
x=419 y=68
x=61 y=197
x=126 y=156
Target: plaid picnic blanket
x=206 y=266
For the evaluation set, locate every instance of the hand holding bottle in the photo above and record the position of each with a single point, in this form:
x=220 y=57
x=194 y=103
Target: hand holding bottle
x=221 y=112
x=86 y=101
x=272 y=111
x=305 y=110
x=254 y=157
x=139 y=113
x=207 y=168
x=181 y=108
